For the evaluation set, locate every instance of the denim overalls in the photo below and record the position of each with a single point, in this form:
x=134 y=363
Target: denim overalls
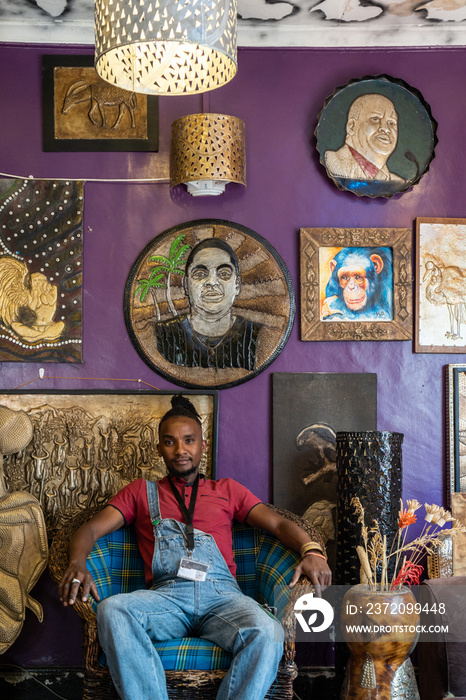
x=215 y=609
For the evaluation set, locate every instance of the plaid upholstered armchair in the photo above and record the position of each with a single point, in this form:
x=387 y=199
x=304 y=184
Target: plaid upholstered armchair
x=194 y=667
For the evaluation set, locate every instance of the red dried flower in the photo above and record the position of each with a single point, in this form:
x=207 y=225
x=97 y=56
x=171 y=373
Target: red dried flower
x=406 y=517
x=409 y=573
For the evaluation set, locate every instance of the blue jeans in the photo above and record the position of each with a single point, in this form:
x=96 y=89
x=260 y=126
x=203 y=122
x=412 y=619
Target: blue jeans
x=215 y=609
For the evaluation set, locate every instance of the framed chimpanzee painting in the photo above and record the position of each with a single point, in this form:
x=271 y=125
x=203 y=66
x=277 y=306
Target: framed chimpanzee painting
x=356 y=284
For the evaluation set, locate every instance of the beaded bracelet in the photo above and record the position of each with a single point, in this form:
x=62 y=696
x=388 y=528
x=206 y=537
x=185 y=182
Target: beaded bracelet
x=316 y=554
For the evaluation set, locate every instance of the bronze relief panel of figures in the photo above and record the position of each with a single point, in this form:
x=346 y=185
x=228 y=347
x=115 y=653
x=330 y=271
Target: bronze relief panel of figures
x=209 y=303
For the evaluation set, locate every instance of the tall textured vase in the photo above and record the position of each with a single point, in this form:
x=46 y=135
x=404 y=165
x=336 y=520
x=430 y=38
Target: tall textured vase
x=369 y=466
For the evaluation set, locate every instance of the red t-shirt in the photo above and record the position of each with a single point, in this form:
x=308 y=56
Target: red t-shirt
x=218 y=503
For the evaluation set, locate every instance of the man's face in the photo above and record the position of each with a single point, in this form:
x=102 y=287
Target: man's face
x=376 y=129
x=181 y=446
x=212 y=283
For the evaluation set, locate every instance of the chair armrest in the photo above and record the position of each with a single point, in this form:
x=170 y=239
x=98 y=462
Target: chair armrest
x=275 y=567
x=289 y=619
x=58 y=563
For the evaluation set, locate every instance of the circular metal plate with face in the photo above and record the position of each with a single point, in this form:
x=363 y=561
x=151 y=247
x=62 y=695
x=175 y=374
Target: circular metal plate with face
x=209 y=303
x=376 y=136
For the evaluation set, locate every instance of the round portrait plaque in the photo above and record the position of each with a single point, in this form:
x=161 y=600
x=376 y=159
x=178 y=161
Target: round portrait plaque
x=376 y=136
x=209 y=303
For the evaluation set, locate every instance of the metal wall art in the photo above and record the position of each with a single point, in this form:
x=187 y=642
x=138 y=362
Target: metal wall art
x=376 y=136
x=41 y=240
x=82 y=112
x=87 y=445
x=209 y=303
x=440 y=285
x=23 y=536
x=356 y=284
x=456 y=429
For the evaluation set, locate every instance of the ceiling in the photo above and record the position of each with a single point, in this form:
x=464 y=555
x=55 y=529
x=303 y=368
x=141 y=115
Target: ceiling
x=266 y=22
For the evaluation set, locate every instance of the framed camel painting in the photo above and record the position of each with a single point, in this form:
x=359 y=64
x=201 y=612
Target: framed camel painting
x=440 y=285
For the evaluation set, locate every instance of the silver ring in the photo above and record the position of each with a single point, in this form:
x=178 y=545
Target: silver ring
x=75 y=580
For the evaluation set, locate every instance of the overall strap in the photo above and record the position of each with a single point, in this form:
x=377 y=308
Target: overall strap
x=153 y=501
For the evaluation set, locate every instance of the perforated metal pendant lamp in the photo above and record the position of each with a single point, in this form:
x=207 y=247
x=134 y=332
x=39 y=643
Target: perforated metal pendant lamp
x=166 y=47
x=207 y=152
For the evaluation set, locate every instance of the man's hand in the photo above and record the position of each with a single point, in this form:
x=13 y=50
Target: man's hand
x=317 y=571
x=107 y=520
x=74 y=577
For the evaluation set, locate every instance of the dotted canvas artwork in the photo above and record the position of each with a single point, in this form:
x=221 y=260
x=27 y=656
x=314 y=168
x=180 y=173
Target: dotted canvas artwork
x=41 y=239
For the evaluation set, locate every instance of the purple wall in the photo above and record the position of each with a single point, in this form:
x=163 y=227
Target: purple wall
x=278 y=93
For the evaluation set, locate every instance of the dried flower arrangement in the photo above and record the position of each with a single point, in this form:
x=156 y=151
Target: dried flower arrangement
x=406 y=555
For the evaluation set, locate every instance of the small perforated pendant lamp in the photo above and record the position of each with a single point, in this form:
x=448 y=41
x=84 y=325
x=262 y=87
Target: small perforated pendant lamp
x=207 y=152
x=166 y=47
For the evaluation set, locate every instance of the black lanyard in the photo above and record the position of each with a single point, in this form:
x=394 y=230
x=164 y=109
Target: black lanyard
x=187 y=512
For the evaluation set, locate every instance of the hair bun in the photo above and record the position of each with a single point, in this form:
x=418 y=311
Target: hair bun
x=182 y=401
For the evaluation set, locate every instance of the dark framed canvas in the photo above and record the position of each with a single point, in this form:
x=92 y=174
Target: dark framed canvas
x=456 y=429
x=41 y=270
x=209 y=303
x=356 y=284
x=440 y=285
x=82 y=112
x=308 y=410
x=376 y=136
x=88 y=444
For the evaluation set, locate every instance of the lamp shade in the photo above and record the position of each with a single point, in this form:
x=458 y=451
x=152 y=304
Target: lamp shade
x=207 y=152
x=171 y=47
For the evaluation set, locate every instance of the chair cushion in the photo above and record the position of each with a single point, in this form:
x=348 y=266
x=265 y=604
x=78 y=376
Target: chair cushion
x=245 y=547
x=116 y=564
x=192 y=653
x=275 y=566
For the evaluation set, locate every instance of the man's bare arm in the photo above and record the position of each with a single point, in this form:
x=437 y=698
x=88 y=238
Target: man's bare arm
x=108 y=520
x=293 y=536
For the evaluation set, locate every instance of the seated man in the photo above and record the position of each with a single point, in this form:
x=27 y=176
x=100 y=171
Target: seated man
x=183 y=524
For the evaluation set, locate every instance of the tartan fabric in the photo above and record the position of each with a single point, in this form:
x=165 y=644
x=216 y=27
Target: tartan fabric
x=116 y=564
x=264 y=569
x=192 y=653
x=275 y=565
x=245 y=547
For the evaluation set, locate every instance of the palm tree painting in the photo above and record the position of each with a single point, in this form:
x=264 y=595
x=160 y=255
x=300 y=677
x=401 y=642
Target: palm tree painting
x=150 y=284
x=171 y=265
x=441 y=269
x=163 y=271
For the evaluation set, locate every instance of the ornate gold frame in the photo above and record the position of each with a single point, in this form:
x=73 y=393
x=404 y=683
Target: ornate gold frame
x=312 y=327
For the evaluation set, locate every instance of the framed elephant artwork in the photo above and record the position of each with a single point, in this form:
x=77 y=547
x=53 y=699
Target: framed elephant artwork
x=82 y=112
x=440 y=285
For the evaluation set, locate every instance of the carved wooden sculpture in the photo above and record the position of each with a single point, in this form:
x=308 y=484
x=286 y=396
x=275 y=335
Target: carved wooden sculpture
x=23 y=536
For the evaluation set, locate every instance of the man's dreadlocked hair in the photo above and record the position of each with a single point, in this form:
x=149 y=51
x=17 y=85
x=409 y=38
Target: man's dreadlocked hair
x=181 y=406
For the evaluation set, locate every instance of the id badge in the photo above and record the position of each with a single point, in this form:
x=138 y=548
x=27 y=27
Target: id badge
x=192 y=570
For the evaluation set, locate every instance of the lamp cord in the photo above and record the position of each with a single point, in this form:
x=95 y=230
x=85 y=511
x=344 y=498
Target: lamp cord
x=93 y=379
x=87 y=179
x=32 y=677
